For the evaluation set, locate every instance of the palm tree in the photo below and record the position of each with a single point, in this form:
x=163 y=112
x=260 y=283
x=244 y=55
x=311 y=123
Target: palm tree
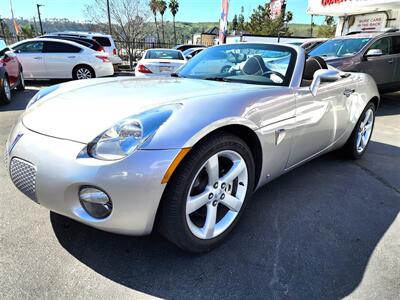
x=162 y=7
x=174 y=7
x=154 y=8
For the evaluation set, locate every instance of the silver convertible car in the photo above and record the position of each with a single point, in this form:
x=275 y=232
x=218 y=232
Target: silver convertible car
x=183 y=154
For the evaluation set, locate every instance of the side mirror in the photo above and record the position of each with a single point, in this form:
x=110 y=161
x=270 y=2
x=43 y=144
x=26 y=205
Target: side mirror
x=374 y=52
x=190 y=56
x=323 y=76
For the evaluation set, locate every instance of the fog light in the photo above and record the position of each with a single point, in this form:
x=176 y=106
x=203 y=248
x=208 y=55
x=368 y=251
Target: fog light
x=95 y=202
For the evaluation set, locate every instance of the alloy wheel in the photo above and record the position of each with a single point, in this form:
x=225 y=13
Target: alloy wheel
x=365 y=131
x=217 y=194
x=83 y=73
x=7 y=89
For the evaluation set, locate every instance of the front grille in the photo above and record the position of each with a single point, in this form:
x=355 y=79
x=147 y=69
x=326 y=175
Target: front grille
x=23 y=175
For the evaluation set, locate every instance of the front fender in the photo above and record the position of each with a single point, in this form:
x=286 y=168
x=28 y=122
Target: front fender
x=196 y=119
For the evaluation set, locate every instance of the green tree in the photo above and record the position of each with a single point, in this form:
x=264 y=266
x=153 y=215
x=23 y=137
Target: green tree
x=235 y=23
x=174 y=7
x=162 y=7
x=28 y=31
x=328 y=29
x=261 y=22
x=154 y=8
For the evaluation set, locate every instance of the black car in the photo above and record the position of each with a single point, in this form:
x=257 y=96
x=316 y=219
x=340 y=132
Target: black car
x=185 y=47
x=90 y=43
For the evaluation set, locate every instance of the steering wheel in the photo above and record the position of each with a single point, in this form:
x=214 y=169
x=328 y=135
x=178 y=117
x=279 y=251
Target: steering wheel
x=226 y=69
x=269 y=73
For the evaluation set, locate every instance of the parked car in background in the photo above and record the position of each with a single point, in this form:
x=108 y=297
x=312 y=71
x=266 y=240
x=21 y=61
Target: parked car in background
x=187 y=46
x=11 y=75
x=44 y=58
x=192 y=52
x=90 y=43
x=309 y=44
x=105 y=40
x=374 y=53
x=158 y=62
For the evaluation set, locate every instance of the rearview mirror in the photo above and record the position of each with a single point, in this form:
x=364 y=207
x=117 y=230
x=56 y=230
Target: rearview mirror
x=374 y=52
x=323 y=76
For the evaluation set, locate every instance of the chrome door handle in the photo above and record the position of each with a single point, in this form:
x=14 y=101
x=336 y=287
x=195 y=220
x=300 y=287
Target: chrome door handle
x=390 y=61
x=37 y=57
x=349 y=92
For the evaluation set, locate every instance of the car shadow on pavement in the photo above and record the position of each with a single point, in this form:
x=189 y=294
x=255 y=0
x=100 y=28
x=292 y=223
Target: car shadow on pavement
x=389 y=105
x=307 y=235
x=21 y=99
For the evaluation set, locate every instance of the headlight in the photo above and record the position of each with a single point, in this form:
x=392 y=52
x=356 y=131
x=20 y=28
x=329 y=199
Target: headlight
x=125 y=137
x=42 y=93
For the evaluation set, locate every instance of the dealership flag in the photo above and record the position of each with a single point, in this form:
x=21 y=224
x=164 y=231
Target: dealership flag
x=223 y=26
x=15 y=24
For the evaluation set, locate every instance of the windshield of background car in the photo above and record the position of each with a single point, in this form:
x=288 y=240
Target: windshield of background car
x=2 y=45
x=340 y=47
x=245 y=63
x=164 y=54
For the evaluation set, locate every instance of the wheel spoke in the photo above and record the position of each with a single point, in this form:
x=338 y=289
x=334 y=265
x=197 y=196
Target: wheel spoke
x=359 y=137
x=232 y=202
x=212 y=168
x=367 y=117
x=196 y=202
x=238 y=167
x=364 y=141
x=368 y=126
x=211 y=219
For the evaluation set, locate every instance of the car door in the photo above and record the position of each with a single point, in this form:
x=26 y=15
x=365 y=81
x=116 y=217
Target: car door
x=396 y=57
x=60 y=58
x=10 y=61
x=381 y=68
x=30 y=55
x=320 y=120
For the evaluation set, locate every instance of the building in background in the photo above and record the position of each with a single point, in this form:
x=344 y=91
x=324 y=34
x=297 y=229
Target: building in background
x=207 y=38
x=358 y=15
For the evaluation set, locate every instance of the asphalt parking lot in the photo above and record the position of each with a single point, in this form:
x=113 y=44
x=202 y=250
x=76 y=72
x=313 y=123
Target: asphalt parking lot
x=327 y=230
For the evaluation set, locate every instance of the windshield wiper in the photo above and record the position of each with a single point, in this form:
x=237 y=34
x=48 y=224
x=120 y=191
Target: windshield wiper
x=217 y=78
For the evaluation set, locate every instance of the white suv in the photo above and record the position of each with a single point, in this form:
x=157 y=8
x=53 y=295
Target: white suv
x=105 y=40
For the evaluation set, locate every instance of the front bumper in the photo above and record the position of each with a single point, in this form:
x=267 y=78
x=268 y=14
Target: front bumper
x=133 y=184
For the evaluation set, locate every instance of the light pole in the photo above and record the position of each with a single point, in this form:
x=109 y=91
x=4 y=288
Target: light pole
x=312 y=25
x=109 y=17
x=40 y=19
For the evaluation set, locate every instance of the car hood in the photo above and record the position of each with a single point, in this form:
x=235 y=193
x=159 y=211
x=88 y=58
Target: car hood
x=80 y=111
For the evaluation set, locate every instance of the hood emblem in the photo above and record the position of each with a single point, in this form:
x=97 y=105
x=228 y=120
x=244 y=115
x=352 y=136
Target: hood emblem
x=17 y=138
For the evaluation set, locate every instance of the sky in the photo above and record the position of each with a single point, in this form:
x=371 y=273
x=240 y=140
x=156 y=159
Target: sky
x=189 y=10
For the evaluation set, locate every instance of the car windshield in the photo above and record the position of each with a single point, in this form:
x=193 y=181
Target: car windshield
x=340 y=47
x=188 y=51
x=164 y=54
x=244 y=63
x=2 y=45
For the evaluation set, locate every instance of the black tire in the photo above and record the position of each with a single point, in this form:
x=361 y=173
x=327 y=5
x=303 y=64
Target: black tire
x=171 y=219
x=5 y=98
x=83 y=69
x=21 y=82
x=350 y=148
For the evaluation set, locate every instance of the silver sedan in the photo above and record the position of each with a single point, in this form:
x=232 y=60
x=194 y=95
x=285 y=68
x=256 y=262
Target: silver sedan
x=184 y=154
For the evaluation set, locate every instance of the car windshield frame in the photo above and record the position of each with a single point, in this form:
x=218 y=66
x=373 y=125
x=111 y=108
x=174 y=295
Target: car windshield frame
x=184 y=71
x=364 y=41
